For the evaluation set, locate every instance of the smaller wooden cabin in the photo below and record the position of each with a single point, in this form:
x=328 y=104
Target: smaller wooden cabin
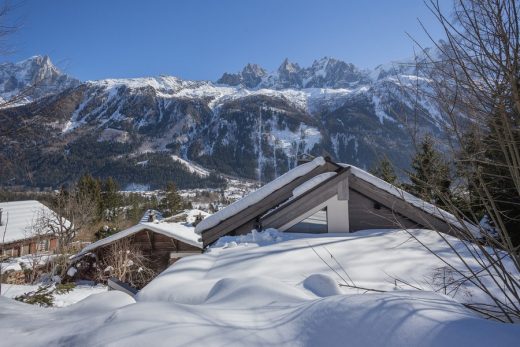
x=321 y=196
x=162 y=243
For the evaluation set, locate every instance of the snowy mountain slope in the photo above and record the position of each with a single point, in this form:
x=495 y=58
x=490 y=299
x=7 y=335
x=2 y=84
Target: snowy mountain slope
x=253 y=124
x=250 y=291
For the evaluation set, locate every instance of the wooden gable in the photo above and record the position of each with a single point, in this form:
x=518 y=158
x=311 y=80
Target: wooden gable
x=249 y=218
x=360 y=204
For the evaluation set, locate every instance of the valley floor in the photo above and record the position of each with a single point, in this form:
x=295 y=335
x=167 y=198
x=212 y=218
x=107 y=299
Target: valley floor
x=282 y=289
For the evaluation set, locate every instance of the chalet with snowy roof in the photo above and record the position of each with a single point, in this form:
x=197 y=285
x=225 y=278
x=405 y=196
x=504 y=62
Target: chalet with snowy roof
x=321 y=196
x=161 y=240
x=23 y=235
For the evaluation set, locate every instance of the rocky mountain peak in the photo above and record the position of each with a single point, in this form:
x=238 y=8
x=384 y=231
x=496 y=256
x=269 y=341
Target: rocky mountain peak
x=252 y=75
x=32 y=78
x=326 y=72
x=288 y=67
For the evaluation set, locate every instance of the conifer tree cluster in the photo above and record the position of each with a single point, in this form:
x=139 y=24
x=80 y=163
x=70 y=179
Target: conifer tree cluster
x=172 y=202
x=429 y=176
x=385 y=171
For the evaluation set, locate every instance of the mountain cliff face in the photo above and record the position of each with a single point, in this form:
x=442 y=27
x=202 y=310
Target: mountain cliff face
x=251 y=124
x=31 y=79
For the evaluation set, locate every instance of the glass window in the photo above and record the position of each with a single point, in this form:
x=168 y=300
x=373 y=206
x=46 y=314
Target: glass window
x=315 y=224
x=43 y=246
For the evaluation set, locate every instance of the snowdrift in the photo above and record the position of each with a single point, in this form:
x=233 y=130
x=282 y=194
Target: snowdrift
x=272 y=288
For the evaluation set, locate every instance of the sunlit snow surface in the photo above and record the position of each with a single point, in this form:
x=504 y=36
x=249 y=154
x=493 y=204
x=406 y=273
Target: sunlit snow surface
x=80 y=292
x=272 y=288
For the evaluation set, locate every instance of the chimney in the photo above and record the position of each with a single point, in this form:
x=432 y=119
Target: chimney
x=304 y=158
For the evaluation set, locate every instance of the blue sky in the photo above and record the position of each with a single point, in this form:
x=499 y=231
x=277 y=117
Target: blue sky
x=197 y=39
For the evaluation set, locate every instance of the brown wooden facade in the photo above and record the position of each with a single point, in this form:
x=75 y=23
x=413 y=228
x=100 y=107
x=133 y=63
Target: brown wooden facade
x=159 y=249
x=41 y=244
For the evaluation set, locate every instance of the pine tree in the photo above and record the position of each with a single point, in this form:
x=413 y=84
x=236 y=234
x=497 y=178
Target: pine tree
x=90 y=188
x=385 y=171
x=88 y=185
x=430 y=174
x=172 y=202
x=110 y=198
x=497 y=175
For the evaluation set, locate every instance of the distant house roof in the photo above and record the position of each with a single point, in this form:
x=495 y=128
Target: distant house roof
x=19 y=217
x=183 y=232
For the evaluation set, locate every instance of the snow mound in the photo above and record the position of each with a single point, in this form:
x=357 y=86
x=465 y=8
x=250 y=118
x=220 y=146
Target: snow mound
x=102 y=302
x=276 y=289
x=321 y=285
x=238 y=292
x=264 y=237
x=371 y=259
x=391 y=319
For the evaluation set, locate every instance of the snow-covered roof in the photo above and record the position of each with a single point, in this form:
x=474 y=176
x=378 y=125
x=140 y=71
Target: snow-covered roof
x=301 y=170
x=411 y=199
x=19 y=217
x=258 y=194
x=183 y=232
x=313 y=182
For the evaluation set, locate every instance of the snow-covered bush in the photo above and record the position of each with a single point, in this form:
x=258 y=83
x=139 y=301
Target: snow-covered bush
x=44 y=295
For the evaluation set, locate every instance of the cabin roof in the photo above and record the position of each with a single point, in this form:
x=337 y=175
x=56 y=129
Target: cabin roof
x=183 y=232
x=230 y=215
x=411 y=199
x=19 y=218
x=258 y=195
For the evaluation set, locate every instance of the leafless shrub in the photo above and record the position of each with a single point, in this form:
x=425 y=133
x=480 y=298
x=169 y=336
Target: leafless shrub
x=125 y=261
x=474 y=79
x=70 y=214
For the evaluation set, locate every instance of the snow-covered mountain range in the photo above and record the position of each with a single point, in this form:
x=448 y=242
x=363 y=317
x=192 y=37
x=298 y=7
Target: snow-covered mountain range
x=251 y=124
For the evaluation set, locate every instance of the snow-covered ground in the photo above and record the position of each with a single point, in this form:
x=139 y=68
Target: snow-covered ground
x=80 y=292
x=272 y=288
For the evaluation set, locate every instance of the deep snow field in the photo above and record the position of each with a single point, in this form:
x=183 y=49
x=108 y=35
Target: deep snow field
x=272 y=288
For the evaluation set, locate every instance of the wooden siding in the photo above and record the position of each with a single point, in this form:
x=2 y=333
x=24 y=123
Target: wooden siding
x=29 y=246
x=365 y=213
x=157 y=248
x=400 y=207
